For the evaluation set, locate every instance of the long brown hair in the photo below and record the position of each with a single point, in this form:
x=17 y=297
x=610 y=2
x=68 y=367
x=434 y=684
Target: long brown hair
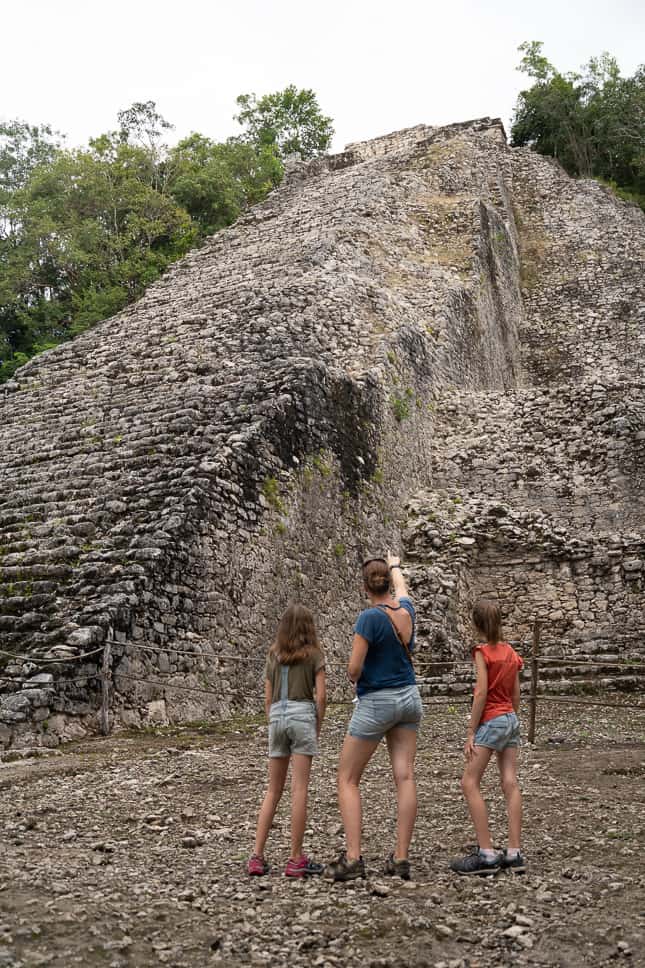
x=296 y=638
x=487 y=619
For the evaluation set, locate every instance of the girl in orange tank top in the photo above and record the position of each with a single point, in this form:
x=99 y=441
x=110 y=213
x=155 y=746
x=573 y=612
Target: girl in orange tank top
x=493 y=728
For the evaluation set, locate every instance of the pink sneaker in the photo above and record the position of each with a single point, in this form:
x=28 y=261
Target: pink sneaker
x=257 y=866
x=302 y=867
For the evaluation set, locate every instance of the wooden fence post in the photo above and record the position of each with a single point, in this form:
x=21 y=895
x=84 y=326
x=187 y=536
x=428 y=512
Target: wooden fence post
x=534 y=679
x=106 y=676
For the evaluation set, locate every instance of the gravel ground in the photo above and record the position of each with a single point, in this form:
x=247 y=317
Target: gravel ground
x=129 y=851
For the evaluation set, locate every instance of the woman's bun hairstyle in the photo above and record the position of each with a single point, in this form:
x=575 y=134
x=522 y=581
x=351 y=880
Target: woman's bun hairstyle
x=376 y=576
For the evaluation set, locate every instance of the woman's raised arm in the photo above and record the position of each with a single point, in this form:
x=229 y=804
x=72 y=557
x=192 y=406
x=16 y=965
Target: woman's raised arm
x=398 y=581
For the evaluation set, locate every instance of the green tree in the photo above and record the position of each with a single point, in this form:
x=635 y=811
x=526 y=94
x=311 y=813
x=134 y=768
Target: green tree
x=593 y=122
x=142 y=124
x=215 y=182
x=84 y=231
x=90 y=229
x=22 y=148
x=290 y=119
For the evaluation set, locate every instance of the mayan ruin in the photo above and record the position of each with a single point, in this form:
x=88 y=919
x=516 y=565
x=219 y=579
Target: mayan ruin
x=430 y=341
x=392 y=322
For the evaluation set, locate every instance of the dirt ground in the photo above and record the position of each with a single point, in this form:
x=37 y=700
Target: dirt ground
x=130 y=850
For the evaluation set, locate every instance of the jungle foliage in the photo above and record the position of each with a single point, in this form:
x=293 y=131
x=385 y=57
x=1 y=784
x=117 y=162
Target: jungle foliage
x=593 y=122
x=83 y=231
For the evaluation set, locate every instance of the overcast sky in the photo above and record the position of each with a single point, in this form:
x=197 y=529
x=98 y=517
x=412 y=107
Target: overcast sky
x=376 y=66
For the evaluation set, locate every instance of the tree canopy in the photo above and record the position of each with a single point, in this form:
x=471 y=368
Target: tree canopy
x=593 y=122
x=83 y=231
x=290 y=120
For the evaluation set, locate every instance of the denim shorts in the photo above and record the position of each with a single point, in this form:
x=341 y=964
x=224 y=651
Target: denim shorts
x=292 y=728
x=380 y=711
x=499 y=733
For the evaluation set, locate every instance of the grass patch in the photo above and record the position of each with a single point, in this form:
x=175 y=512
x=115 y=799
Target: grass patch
x=400 y=408
x=322 y=465
x=271 y=492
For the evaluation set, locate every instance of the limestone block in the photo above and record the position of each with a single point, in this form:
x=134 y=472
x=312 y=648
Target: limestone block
x=156 y=712
x=37 y=697
x=42 y=680
x=85 y=638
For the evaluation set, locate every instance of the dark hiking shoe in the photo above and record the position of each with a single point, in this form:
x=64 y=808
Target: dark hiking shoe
x=397 y=868
x=474 y=863
x=516 y=865
x=345 y=870
x=303 y=867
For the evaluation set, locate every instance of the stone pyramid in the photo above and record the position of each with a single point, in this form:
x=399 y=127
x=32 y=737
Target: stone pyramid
x=430 y=337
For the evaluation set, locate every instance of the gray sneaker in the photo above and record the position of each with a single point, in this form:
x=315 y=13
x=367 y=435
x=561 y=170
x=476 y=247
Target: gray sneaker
x=397 y=868
x=475 y=863
x=345 y=870
x=516 y=865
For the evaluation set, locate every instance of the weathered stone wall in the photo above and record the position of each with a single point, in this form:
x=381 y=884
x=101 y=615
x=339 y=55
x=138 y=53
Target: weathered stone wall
x=577 y=450
x=160 y=470
x=250 y=428
x=545 y=484
x=586 y=594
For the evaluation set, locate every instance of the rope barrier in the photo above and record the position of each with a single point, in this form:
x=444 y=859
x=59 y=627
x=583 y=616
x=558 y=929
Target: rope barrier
x=261 y=658
x=37 y=660
x=589 y=702
x=65 y=682
x=448 y=701
x=426 y=665
x=619 y=664
x=196 y=655
x=165 y=685
x=348 y=702
x=421 y=659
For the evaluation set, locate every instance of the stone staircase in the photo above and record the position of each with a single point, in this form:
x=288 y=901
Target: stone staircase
x=588 y=675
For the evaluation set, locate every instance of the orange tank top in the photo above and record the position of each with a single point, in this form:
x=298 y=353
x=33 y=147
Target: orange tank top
x=502 y=664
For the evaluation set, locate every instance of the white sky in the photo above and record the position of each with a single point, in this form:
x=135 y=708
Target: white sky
x=376 y=66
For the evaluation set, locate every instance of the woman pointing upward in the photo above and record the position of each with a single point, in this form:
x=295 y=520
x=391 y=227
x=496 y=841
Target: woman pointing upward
x=389 y=706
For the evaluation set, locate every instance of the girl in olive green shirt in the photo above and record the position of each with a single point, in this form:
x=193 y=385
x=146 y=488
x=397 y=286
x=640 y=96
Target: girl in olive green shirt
x=295 y=699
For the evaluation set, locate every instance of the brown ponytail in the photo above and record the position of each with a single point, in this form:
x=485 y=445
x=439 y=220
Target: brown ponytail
x=376 y=576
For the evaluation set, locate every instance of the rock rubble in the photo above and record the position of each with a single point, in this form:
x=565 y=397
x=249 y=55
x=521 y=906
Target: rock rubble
x=130 y=851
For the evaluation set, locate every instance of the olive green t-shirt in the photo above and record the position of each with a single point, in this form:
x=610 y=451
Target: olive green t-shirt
x=302 y=677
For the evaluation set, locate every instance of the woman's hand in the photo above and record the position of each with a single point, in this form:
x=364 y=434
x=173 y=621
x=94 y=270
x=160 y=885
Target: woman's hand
x=392 y=560
x=398 y=581
x=469 y=747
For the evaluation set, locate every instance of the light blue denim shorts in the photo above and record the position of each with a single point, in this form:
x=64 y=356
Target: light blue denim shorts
x=499 y=733
x=292 y=728
x=380 y=711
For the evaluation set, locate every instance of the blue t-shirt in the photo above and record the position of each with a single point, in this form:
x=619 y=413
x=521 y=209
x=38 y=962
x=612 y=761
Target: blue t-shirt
x=386 y=664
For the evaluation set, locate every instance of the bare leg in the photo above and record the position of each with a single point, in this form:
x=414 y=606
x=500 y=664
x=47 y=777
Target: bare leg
x=470 y=785
x=354 y=757
x=278 y=766
x=402 y=747
x=300 y=770
x=507 y=763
